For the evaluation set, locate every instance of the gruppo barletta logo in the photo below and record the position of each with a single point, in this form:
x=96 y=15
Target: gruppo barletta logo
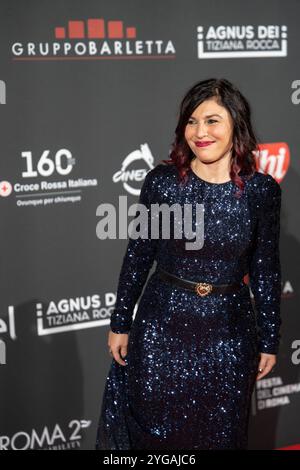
x=94 y=38
x=129 y=174
x=236 y=41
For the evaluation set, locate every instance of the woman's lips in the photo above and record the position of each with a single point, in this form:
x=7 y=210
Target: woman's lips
x=203 y=144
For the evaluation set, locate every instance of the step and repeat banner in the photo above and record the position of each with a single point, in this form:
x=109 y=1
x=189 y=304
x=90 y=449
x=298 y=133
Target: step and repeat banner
x=90 y=93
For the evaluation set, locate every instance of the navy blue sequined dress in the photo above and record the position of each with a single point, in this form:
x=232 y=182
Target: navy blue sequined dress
x=192 y=361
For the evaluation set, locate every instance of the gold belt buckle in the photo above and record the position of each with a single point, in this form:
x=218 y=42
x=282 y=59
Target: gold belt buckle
x=203 y=289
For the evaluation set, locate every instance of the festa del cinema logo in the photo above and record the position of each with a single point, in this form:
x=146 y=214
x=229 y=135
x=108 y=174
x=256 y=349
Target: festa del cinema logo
x=94 y=38
x=273 y=392
x=238 y=41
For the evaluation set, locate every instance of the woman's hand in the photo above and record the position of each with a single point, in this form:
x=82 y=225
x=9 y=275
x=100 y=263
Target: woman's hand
x=266 y=364
x=117 y=344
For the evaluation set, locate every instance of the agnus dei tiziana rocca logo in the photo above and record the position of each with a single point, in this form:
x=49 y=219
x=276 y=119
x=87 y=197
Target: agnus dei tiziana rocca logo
x=237 y=41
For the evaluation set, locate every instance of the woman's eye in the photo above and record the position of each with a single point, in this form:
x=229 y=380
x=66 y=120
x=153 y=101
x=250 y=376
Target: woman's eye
x=190 y=121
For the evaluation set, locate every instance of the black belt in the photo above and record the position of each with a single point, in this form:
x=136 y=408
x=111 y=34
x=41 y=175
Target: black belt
x=200 y=288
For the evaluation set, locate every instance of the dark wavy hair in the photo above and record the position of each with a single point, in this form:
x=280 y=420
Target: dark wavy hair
x=243 y=163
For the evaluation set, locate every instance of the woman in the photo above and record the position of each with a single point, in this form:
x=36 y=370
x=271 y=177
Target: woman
x=183 y=372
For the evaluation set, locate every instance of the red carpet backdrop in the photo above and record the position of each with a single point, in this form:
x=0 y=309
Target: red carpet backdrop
x=89 y=93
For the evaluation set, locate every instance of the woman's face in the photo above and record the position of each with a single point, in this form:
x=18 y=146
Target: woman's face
x=210 y=122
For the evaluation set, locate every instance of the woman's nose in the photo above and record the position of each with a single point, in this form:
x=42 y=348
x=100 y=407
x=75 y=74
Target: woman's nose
x=201 y=130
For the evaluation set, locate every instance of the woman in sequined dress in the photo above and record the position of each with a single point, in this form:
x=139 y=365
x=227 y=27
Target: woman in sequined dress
x=183 y=372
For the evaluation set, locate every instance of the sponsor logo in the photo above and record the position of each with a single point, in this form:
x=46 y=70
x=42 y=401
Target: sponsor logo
x=35 y=189
x=271 y=392
x=274 y=159
x=73 y=314
x=94 y=38
x=57 y=438
x=134 y=169
x=236 y=41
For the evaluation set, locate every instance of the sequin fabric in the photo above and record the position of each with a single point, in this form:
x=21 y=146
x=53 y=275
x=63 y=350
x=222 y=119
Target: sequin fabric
x=192 y=361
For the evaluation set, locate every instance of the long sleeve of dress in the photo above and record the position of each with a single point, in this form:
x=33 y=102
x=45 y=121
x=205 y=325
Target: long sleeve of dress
x=265 y=268
x=137 y=262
